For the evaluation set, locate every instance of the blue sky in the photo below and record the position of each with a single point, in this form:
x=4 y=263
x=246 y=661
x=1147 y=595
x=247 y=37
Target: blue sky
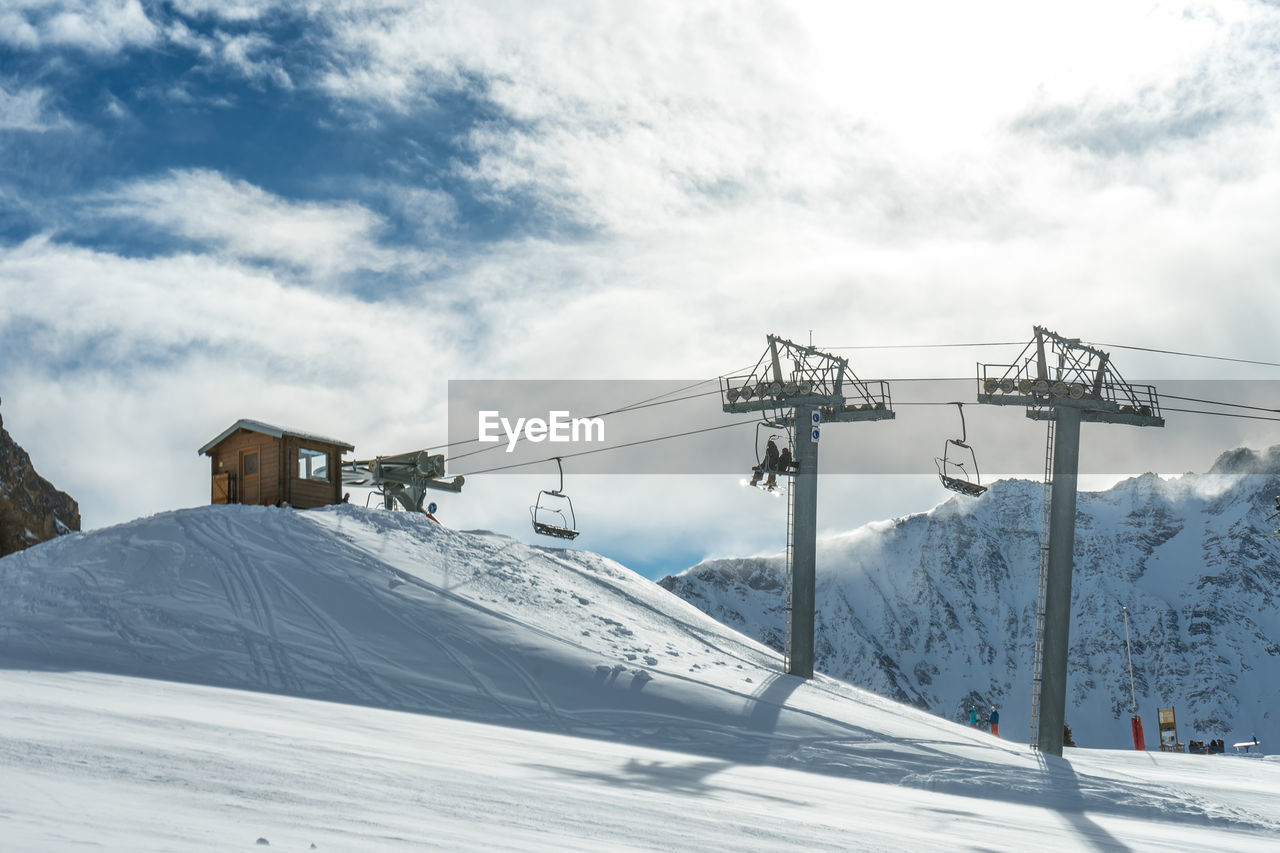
x=318 y=213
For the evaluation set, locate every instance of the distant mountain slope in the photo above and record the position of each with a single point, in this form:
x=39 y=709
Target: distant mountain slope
x=937 y=609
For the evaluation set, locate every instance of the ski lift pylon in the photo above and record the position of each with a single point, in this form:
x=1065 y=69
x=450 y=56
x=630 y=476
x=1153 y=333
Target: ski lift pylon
x=552 y=511
x=952 y=464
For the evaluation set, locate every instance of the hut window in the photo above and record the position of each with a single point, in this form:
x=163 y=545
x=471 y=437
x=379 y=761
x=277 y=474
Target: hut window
x=313 y=465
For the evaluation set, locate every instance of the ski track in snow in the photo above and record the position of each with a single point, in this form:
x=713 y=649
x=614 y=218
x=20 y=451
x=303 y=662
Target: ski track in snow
x=391 y=611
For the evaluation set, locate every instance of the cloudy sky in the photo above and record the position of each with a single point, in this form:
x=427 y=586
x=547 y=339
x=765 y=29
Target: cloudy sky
x=318 y=213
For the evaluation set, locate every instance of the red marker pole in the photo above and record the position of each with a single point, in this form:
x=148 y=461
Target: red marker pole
x=1139 y=742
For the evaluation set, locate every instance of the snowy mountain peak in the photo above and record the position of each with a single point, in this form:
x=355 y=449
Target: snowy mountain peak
x=1244 y=460
x=937 y=609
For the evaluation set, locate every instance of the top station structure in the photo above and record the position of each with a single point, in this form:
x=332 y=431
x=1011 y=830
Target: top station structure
x=256 y=463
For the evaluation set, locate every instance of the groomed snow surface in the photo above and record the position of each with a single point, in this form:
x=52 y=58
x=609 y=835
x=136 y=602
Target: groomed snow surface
x=364 y=680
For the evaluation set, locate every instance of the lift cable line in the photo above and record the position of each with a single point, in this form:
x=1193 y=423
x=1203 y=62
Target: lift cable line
x=745 y=423
x=405 y=478
x=1088 y=343
x=930 y=346
x=1222 y=414
x=1220 y=403
x=816 y=387
x=1192 y=355
x=1063 y=382
x=648 y=402
x=610 y=413
x=612 y=447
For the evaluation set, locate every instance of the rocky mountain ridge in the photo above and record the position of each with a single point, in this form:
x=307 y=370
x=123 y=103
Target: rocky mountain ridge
x=938 y=609
x=32 y=510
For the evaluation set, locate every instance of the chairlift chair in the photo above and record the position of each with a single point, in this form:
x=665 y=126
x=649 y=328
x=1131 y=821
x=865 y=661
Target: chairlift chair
x=763 y=463
x=552 y=512
x=954 y=462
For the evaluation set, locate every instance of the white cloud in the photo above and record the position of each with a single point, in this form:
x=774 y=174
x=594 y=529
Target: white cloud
x=251 y=55
x=244 y=221
x=26 y=109
x=903 y=121
x=156 y=356
x=101 y=26
x=226 y=10
x=244 y=53
x=898 y=174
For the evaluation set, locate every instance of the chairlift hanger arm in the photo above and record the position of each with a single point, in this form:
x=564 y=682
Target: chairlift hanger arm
x=964 y=433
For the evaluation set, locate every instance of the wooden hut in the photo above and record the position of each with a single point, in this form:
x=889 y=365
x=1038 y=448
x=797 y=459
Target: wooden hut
x=257 y=463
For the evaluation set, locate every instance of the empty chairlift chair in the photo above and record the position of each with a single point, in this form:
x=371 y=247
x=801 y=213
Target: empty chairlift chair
x=552 y=512
x=956 y=460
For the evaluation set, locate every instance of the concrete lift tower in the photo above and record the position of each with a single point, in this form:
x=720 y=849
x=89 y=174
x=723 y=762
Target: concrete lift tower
x=815 y=387
x=1063 y=382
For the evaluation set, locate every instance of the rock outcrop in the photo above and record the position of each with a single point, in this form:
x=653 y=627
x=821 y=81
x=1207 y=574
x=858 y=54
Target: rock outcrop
x=31 y=509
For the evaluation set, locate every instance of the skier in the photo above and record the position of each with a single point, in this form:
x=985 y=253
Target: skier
x=785 y=460
x=994 y=719
x=973 y=716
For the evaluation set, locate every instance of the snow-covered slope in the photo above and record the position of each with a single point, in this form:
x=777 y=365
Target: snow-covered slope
x=393 y=611
x=562 y=702
x=937 y=609
x=115 y=763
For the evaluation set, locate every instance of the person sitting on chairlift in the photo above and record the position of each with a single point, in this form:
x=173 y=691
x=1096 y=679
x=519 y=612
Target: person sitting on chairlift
x=786 y=462
x=769 y=466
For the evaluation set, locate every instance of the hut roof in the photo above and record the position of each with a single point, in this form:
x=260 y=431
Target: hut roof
x=274 y=432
